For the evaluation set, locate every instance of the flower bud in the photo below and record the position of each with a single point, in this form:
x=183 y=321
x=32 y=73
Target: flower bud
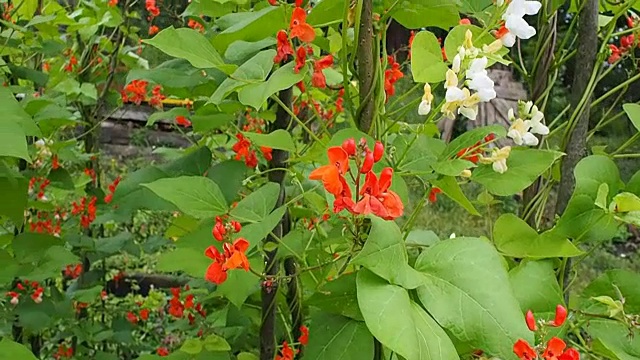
x=349 y=146
x=531 y=321
x=561 y=316
x=236 y=226
x=378 y=151
x=367 y=165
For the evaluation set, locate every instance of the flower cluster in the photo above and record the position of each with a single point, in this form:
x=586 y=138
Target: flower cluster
x=195 y=25
x=43 y=147
x=72 y=271
x=391 y=76
x=627 y=43
x=87 y=211
x=514 y=25
x=136 y=92
x=64 y=352
x=92 y=174
x=25 y=287
x=153 y=10
x=556 y=348
x=286 y=352
x=243 y=151
x=373 y=196
x=42 y=186
x=112 y=190
x=233 y=254
x=71 y=64
x=522 y=131
x=7 y=10
x=318 y=79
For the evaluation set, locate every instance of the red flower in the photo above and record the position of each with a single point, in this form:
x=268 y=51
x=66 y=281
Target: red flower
x=215 y=272
x=63 y=352
x=570 y=354
x=349 y=146
x=195 y=25
x=465 y=21
x=524 y=351
x=273 y=2
x=531 y=321
x=54 y=162
x=113 y=3
x=73 y=271
x=162 y=351
x=152 y=8
x=627 y=41
x=132 y=318
x=367 y=164
x=219 y=230
x=156 y=96
x=378 y=151
x=286 y=353
x=144 y=314
x=304 y=338
x=391 y=76
x=318 y=79
x=183 y=121
x=267 y=152
x=301 y=58
x=561 y=316
x=72 y=62
x=555 y=348
x=340 y=101
x=283 y=47
x=299 y=27
x=378 y=199
x=433 y=194
x=137 y=91
x=235 y=255
x=413 y=36
x=332 y=173
x=153 y=30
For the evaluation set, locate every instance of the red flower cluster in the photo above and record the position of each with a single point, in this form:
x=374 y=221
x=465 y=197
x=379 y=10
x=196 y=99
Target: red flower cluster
x=151 y=7
x=433 y=194
x=286 y=352
x=183 y=121
x=195 y=25
x=112 y=190
x=162 y=351
x=243 y=150
x=63 y=352
x=153 y=30
x=340 y=101
x=71 y=64
x=301 y=58
x=253 y=124
x=283 y=47
x=23 y=288
x=627 y=43
x=135 y=92
x=86 y=211
x=555 y=349
x=391 y=76
x=92 y=174
x=233 y=255
x=304 y=337
x=473 y=153
x=300 y=29
x=374 y=197
x=73 y=271
x=43 y=183
x=43 y=223
x=318 y=79
x=6 y=13
x=112 y=3
x=55 y=164
x=156 y=96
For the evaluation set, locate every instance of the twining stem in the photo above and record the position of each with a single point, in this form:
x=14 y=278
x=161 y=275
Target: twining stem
x=366 y=67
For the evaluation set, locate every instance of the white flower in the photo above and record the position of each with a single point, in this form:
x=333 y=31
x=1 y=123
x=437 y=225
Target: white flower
x=455 y=64
x=498 y=159
x=454 y=94
x=425 y=105
x=14 y=300
x=537 y=127
x=479 y=80
x=515 y=23
x=500 y=166
x=40 y=143
x=519 y=132
x=452 y=236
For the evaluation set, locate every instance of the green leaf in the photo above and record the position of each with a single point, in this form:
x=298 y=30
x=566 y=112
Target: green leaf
x=338 y=338
x=187 y=260
x=14 y=113
x=612 y=340
x=259 y=204
x=208 y=122
x=385 y=254
x=239 y=51
x=15 y=350
x=14 y=192
x=229 y=175
x=196 y=196
x=426 y=59
x=583 y=222
x=9 y=268
x=626 y=202
x=192 y=346
x=398 y=323
x=189 y=44
x=247 y=356
x=254 y=70
x=250 y=26
x=29 y=247
x=633 y=112
x=169 y=115
x=61 y=179
x=325 y=12
x=594 y=170
x=469 y=273
x=626 y=281
x=279 y=139
x=339 y=297
x=535 y=285
x=415 y=14
x=515 y=238
x=601 y=197
x=474 y=6
x=256 y=95
x=216 y=343
x=254 y=233
x=452 y=167
x=420 y=155
x=525 y=166
x=470 y=138
x=241 y=284
x=13 y=141
x=451 y=188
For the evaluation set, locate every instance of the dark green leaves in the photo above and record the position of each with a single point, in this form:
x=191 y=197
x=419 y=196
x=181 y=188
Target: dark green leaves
x=196 y=196
x=338 y=338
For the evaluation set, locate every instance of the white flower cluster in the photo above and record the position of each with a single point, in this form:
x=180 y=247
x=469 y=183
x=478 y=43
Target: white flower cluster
x=523 y=131
x=515 y=26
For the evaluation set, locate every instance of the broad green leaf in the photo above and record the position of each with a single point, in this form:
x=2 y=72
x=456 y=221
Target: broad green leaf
x=594 y=170
x=29 y=247
x=426 y=59
x=208 y=122
x=338 y=296
x=451 y=188
x=247 y=356
x=612 y=340
x=338 y=338
x=9 y=268
x=192 y=346
x=256 y=95
x=229 y=176
x=414 y=14
x=525 y=166
x=13 y=141
x=583 y=222
x=470 y=138
x=253 y=71
x=452 y=167
x=325 y=12
x=514 y=237
x=169 y=115
x=626 y=281
x=259 y=204
x=385 y=254
x=633 y=112
x=601 y=197
x=250 y=26
x=13 y=191
x=53 y=259
x=456 y=37
x=15 y=350
x=216 y=343
x=240 y=51
x=469 y=273
x=241 y=284
x=626 y=202
x=189 y=44
x=399 y=323
x=474 y=6
x=196 y=196
x=536 y=287
x=195 y=161
x=187 y=260
x=418 y=156
x=254 y=233
x=633 y=186
x=279 y=139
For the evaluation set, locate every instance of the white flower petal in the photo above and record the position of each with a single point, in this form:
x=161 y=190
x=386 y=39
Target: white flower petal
x=469 y=113
x=424 y=108
x=500 y=166
x=454 y=94
x=530 y=139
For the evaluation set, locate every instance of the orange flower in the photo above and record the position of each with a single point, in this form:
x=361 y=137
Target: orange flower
x=301 y=58
x=524 y=351
x=332 y=173
x=391 y=76
x=181 y=120
x=318 y=79
x=235 y=255
x=283 y=47
x=215 y=273
x=570 y=354
x=286 y=353
x=153 y=30
x=137 y=90
x=162 y=351
x=112 y=3
x=144 y=314
x=304 y=338
x=554 y=350
x=299 y=27
x=378 y=199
